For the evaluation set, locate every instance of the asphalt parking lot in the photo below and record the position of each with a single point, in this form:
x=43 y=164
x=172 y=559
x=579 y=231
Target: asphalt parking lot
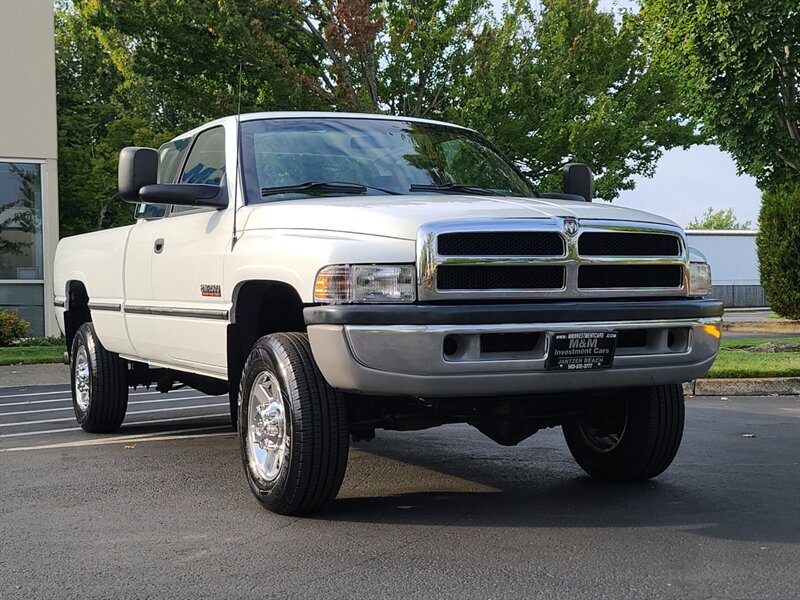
x=161 y=510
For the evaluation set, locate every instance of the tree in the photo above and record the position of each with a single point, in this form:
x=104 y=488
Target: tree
x=425 y=46
x=719 y=219
x=92 y=128
x=738 y=62
x=181 y=63
x=354 y=55
x=570 y=84
x=778 y=243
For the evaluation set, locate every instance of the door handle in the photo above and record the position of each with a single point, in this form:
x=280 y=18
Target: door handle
x=158 y=246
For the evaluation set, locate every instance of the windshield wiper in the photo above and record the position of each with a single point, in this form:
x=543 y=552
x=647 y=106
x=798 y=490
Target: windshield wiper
x=453 y=187
x=342 y=187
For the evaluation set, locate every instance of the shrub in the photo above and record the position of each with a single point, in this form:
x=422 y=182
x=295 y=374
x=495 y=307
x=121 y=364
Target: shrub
x=779 y=248
x=42 y=341
x=11 y=327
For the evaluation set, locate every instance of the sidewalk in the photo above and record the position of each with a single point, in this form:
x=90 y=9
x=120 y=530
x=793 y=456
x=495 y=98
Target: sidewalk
x=762 y=386
x=24 y=375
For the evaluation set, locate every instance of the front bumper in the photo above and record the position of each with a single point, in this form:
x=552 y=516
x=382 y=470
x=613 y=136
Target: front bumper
x=401 y=350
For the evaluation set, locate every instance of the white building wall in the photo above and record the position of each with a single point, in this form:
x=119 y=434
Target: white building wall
x=28 y=132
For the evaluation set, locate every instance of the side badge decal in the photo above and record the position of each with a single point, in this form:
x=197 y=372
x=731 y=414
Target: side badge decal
x=210 y=291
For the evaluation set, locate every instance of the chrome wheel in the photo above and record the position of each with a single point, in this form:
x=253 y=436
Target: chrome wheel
x=268 y=428
x=603 y=431
x=83 y=380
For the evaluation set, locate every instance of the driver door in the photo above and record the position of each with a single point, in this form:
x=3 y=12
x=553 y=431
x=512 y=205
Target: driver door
x=187 y=267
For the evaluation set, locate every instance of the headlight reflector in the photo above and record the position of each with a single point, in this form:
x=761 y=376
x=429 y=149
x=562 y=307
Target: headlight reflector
x=699 y=279
x=341 y=284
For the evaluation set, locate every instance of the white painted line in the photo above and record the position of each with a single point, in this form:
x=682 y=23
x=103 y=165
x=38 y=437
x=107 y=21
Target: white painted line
x=177 y=434
x=26 y=402
x=130 y=412
x=135 y=423
x=41 y=410
x=34 y=394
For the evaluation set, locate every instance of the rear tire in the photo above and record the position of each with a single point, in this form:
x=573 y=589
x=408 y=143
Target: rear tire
x=636 y=439
x=292 y=427
x=99 y=381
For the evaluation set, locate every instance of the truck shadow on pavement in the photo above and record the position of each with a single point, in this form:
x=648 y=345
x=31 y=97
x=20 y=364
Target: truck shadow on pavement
x=423 y=480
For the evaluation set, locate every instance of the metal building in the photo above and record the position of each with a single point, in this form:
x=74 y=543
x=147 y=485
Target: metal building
x=734 y=265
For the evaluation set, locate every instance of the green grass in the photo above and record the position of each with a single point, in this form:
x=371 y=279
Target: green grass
x=29 y=355
x=732 y=362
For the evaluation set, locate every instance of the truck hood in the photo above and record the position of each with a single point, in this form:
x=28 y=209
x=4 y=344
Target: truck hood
x=401 y=216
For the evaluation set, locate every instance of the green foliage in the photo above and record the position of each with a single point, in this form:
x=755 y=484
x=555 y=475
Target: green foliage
x=92 y=128
x=566 y=83
x=719 y=219
x=569 y=84
x=12 y=327
x=779 y=247
x=423 y=48
x=41 y=341
x=738 y=62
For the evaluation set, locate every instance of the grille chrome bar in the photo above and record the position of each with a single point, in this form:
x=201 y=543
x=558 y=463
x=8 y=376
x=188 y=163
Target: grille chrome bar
x=664 y=237
x=502 y=243
x=603 y=277
x=617 y=243
x=501 y=277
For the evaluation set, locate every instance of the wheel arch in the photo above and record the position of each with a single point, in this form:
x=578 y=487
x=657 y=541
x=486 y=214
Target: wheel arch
x=76 y=308
x=259 y=307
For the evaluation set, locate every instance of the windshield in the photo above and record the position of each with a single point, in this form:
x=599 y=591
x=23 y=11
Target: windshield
x=319 y=155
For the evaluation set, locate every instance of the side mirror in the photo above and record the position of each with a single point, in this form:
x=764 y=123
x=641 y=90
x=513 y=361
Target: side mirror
x=578 y=180
x=185 y=194
x=138 y=167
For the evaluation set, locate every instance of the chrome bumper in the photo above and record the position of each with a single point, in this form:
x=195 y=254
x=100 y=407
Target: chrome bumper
x=411 y=360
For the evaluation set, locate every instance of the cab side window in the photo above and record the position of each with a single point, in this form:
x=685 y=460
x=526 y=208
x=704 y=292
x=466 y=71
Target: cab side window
x=170 y=159
x=205 y=164
x=206 y=161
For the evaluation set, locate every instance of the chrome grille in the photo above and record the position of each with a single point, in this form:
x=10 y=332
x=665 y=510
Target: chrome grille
x=501 y=277
x=550 y=259
x=501 y=243
x=628 y=244
x=605 y=277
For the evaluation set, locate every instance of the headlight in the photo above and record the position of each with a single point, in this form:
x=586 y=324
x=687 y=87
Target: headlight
x=699 y=279
x=342 y=284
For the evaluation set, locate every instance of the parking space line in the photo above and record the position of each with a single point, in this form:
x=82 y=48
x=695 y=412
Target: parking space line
x=177 y=434
x=132 y=412
x=33 y=394
x=41 y=410
x=70 y=398
x=134 y=423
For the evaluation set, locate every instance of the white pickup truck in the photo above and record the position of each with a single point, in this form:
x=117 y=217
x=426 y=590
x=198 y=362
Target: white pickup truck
x=335 y=274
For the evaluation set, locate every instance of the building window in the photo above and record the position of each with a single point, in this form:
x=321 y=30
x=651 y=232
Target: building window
x=21 y=242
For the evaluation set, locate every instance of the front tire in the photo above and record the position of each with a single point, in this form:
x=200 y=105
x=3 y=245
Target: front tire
x=292 y=427
x=99 y=383
x=636 y=438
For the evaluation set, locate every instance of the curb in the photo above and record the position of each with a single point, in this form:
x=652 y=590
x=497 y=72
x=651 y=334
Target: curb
x=764 y=386
x=776 y=326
